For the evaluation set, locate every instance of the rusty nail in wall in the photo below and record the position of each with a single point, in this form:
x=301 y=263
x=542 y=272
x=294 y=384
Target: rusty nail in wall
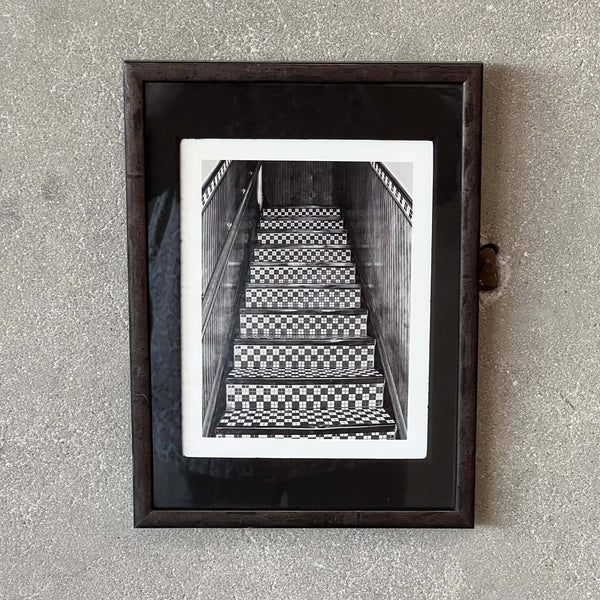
x=488 y=267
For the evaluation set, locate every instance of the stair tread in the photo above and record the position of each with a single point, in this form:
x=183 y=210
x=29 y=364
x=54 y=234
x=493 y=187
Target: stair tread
x=303 y=341
x=303 y=246
x=292 y=419
x=300 y=206
x=318 y=286
x=286 y=231
x=361 y=434
x=299 y=217
x=364 y=375
x=292 y=338
x=303 y=311
x=304 y=265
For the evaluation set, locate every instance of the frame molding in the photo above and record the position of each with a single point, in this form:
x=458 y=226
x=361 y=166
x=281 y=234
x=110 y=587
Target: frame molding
x=136 y=74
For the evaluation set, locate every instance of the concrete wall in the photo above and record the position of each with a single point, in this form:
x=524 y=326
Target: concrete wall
x=65 y=496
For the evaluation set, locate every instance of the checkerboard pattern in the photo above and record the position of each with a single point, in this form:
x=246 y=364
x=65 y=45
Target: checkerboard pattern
x=303 y=356
x=303 y=373
x=281 y=421
x=277 y=274
x=302 y=325
x=293 y=297
x=331 y=395
x=333 y=236
x=211 y=186
x=312 y=224
x=303 y=364
x=369 y=435
x=302 y=211
x=306 y=254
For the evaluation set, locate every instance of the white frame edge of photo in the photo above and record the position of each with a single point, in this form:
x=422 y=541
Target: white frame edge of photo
x=193 y=153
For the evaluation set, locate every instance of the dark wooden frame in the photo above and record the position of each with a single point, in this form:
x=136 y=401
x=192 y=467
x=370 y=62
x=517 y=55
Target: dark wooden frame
x=136 y=74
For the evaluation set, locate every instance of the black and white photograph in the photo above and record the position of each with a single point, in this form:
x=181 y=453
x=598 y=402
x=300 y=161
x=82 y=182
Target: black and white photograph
x=304 y=297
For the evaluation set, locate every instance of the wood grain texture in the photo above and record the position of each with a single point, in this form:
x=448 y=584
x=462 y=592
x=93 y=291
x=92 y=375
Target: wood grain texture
x=137 y=257
x=219 y=213
x=229 y=269
x=304 y=72
x=297 y=182
x=308 y=518
x=469 y=293
x=380 y=235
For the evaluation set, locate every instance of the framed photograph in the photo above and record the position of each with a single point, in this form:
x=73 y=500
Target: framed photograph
x=303 y=244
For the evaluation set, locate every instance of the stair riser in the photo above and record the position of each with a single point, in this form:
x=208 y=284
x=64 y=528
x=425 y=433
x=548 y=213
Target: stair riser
x=308 y=255
x=374 y=435
x=303 y=396
x=310 y=224
x=302 y=298
x=298 y=326
x=302 y=275
x=302 y=211
x=302 y=237
x=303 y=356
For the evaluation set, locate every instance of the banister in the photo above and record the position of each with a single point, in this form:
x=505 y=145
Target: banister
x=208 y=299
x=400 y=196
x=213 y=182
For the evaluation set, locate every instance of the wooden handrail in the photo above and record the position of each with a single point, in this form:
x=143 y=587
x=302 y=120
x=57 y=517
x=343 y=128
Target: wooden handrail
x=209 y=297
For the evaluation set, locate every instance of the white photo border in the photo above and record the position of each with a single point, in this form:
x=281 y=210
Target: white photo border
x=420 y=154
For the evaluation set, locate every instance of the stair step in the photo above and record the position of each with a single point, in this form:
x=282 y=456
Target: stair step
x=369 y=435
x=302 y=210
x=358 y=353
x=341 y=388
x=347 y=341
x=306 y=422
x=301 y=223
x=297 y=273
x=305 y=311
x=304 y=376
x=302 y=253
x=300 y=236
x=273 y=323
x=300 y=217
x=298 y=296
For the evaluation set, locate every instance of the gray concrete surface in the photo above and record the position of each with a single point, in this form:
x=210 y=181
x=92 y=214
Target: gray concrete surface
x=65 y=500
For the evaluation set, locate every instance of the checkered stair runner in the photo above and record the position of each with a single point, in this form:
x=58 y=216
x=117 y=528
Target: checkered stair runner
x=294 y=273
x=301 y=223
x=304 y=366
x=306 y=254
x=305 y=356
x=331 y=236
x=294 y=296
x=315 y=324
x=302 y=211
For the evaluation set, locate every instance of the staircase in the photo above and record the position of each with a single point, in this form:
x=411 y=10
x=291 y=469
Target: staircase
x=304 y=366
